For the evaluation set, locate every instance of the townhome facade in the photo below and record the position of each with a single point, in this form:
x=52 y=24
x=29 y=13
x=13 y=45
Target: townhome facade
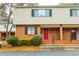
x=56 y=24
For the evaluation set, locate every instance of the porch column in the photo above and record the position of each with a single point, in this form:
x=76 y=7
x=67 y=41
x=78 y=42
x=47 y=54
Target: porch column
x=0 y=35
x=61 y=32
x=38 y=30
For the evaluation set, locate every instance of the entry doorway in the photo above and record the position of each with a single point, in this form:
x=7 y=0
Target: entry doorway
x=45 y=34
x=73 y=34
x=50 y=35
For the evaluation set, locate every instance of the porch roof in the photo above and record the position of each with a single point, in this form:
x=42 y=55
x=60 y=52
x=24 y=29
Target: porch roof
x=46 y=21
x=58 y=25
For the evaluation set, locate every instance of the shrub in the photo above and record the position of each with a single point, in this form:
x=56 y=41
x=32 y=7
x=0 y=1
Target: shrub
x=12 y=40
x=36 y=40
x=19 y=43
x=26 y=42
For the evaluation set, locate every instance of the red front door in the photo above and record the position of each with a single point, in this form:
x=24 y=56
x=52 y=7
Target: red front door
x=45 y=34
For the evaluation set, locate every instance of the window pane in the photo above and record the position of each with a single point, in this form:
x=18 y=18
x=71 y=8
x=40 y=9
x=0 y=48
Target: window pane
x=74 y=13
x=41 y=12
x=33 y=30
x=47 y=12
x=77 y=12
x=35 y=12
x=28 y=30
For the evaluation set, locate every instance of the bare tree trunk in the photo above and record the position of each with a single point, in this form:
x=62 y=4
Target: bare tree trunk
x=8 y=21
x=10 y=30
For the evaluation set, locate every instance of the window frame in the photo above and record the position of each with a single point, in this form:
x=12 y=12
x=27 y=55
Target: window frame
x=50 y=13
x=71 y=13
x=31 y=32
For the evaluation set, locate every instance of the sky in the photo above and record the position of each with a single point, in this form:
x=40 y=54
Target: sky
x=55 y=2
x=41 y=2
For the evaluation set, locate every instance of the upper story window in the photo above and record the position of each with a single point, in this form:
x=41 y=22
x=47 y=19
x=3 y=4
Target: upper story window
x=74 y=12
x=41 y=12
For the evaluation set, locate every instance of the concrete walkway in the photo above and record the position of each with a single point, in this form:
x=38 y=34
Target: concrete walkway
x=55 y=47
x=41 y=53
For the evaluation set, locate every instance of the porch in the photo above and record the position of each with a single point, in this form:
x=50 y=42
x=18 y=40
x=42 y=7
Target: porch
x=3 y=35
x=60 y=35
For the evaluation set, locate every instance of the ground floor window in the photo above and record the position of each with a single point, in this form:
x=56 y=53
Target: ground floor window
x=30 y=30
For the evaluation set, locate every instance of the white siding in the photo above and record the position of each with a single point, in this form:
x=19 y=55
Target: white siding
x=3 y=29
x=60 y=16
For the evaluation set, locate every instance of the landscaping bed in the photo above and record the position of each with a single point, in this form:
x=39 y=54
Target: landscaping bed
x=21 y=48
x=14 y=44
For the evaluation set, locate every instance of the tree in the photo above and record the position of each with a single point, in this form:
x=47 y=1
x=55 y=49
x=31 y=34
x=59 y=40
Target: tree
x=9 y=14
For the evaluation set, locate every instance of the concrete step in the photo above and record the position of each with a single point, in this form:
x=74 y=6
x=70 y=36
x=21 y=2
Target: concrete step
x=60 y=46
x=59 y=49
x=49 y=47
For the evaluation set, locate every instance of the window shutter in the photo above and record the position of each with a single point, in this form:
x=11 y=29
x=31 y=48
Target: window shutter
x=32 y=13
x=71 y=12
x=26 y=30
x=50 y=12
x=35 y=30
